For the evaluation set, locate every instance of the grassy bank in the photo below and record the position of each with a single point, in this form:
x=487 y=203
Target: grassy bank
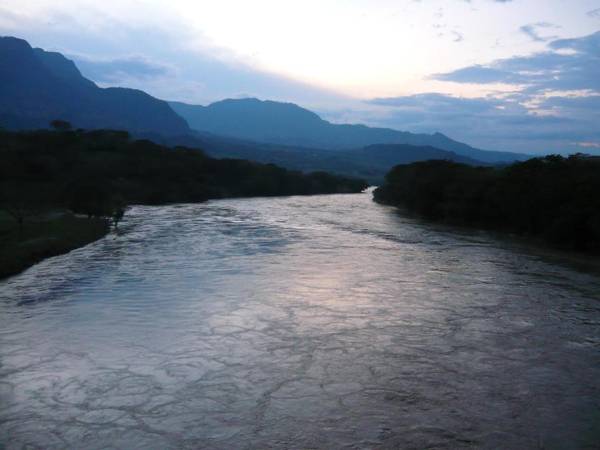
x=44 y=237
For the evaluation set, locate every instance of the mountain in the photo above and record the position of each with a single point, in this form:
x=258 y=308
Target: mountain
x=37 y=87
x=289 y=124
x=382 y=156
x=370 y=163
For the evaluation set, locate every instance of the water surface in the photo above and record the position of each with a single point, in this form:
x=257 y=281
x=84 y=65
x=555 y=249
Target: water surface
x=303 y=322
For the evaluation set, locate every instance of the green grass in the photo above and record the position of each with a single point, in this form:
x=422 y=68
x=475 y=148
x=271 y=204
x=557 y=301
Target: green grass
x=43 y=238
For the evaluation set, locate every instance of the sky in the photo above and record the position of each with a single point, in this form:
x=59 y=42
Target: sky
x=515 y=75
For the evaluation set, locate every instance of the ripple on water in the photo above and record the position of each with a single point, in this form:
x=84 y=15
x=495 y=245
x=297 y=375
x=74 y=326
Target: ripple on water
x=299 y=322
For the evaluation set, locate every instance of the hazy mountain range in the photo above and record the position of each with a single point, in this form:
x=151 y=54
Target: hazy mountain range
x=37 y=87
x=370 y=163
x=289 y=124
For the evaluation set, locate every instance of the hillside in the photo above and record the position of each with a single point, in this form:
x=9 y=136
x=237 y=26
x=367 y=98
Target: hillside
x=38 y=86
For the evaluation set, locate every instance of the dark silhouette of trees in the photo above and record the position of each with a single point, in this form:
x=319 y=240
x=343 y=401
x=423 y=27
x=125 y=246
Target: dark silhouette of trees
x=553 y=198
x=118 y=208
x=23 y=201
x=98 y=173
x=61 y=125
x=91 y=197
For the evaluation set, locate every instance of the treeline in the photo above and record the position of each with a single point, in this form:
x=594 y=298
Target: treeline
x=98 y=172
x=46 y=176
x=553 y=198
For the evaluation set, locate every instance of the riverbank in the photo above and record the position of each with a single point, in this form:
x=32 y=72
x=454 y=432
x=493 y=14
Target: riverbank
x=551 y=200
x=98 y=173
x=44 y=238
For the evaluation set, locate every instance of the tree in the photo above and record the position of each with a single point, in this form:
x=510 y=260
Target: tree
x=23 y=201
x=90 y=197
x=61 y=125
x=118 y=210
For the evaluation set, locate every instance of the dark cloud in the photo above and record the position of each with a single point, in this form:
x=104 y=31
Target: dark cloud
x=594 y=13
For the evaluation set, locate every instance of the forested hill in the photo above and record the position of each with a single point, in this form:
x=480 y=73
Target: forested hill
x=86 y=171
x=553 y=198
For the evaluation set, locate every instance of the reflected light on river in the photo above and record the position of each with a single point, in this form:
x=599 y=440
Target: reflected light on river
x=299 y=322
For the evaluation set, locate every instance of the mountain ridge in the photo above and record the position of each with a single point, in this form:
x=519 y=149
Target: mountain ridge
x=370 y=163
x=37 y=87
x=290 y=124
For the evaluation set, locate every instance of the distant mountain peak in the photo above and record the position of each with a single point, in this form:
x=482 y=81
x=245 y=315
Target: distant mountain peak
x=37 y=87
x=268 y=107
x=61 y=67
x=10 y=42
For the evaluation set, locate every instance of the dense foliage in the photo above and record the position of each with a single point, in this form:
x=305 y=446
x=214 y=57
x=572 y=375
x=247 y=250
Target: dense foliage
x=92 y=171
x=553 y=198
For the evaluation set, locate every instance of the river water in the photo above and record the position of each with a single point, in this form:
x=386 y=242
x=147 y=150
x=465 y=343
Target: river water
x=302 y=322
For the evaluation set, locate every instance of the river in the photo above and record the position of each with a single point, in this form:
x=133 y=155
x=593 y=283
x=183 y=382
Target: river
x=318 y=322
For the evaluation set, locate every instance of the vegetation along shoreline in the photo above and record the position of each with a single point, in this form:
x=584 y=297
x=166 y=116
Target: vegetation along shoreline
x=61 y=189
x=552 y=199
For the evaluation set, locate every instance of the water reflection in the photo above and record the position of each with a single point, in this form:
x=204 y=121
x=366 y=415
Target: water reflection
x=321 y=322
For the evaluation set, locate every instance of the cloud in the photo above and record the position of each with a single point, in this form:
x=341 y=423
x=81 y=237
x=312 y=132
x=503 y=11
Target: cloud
x=533 y=31
x=440 y=103
x=169 y=61
x=458 y=37
x=120 y=69
x=588 y=144
x=587 y=45
x=555 y=124
x=478 y=74
x=594 y=13
x=554 y=105
x=569 y=64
